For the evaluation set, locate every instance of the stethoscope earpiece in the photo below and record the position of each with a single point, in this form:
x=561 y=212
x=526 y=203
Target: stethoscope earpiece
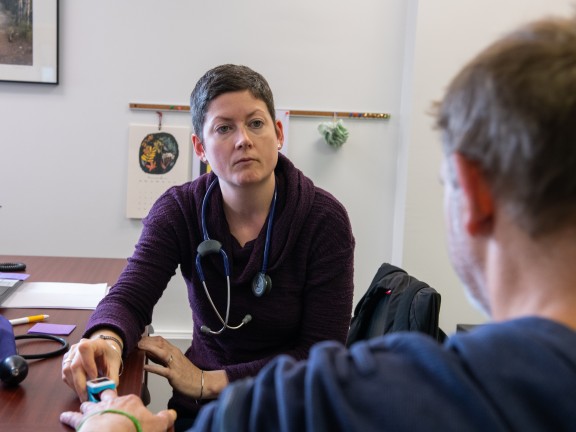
x=206 y=330
x=261 y=284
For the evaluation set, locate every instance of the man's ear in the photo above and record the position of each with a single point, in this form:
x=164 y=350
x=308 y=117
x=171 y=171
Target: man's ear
x=479 y=200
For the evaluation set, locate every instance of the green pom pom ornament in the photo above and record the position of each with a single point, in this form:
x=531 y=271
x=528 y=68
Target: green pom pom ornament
x=334 y=133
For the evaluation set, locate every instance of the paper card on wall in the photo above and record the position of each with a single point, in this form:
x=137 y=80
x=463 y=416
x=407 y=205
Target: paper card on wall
x=157 y=160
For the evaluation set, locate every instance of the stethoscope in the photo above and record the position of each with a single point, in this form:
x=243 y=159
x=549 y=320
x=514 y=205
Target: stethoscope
x=261 y=284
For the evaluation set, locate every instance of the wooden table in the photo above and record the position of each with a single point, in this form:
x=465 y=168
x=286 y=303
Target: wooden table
x=36 y=404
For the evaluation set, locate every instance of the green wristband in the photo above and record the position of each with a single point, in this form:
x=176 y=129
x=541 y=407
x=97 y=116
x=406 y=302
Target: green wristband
x=114 y=411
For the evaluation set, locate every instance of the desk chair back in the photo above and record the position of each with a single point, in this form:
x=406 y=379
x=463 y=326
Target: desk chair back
x=396 y=301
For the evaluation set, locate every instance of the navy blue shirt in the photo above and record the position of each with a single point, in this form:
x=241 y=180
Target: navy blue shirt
x=514 y=376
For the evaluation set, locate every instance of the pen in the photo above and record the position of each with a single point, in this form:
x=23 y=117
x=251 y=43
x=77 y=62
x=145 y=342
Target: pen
x=28 y=319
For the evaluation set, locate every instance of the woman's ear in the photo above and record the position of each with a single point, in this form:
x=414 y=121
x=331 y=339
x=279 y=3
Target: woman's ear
x=280 y=133
x=199 y=148
x=477 y=194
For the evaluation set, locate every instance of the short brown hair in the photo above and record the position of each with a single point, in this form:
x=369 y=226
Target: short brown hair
x=512 y=110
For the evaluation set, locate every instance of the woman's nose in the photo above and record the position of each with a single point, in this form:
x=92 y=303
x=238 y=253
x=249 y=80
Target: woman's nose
x=243 y=139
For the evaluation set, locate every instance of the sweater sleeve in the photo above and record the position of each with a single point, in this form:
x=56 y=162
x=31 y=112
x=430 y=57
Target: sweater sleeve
x=128 y=307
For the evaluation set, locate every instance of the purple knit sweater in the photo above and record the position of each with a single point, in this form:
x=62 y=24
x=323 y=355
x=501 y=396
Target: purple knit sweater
x=310 y=263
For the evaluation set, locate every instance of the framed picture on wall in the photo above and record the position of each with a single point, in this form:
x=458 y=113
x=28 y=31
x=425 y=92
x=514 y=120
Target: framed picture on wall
x=29 y=41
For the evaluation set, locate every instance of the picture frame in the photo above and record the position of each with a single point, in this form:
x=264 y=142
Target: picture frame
x=29 y=41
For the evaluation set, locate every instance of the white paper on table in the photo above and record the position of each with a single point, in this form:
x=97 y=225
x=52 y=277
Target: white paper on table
x=57 y=295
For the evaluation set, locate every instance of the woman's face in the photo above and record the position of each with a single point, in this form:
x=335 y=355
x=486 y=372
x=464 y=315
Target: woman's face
x=241 y=141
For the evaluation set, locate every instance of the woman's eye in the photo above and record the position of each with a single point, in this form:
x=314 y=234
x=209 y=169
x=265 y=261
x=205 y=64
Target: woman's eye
x=257 y=124
x=222 y=129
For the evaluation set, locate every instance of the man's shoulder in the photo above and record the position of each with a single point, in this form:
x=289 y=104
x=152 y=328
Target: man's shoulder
x=518 y=331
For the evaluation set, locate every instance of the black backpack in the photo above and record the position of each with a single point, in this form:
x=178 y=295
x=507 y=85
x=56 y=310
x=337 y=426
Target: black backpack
x=396 y=301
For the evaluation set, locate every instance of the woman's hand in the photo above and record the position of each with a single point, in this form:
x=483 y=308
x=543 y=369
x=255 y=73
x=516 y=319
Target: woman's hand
x=89 y=359
x=180 y=372
x=130 y=405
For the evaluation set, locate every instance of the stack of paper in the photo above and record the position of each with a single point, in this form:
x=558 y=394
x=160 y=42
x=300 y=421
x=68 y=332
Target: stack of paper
x=57 y=295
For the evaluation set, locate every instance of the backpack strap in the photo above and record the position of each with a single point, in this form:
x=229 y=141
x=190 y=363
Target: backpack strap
x=403 y=317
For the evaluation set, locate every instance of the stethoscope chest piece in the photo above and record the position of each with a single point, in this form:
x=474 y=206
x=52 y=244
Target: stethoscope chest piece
x=261 y=284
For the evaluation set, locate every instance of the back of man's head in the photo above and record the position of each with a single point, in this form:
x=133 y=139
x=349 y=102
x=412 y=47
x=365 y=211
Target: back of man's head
x=512 y=110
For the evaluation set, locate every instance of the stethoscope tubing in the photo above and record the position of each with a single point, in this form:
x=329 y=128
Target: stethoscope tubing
x=209 y=246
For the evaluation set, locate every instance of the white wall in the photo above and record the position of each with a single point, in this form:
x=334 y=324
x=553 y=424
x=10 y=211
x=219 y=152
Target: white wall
x=64 y=148
x=448 y=33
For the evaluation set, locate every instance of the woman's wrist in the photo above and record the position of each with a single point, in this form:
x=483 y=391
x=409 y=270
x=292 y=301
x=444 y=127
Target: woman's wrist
x=109 y=335
x=114 y=341
x=119 y=352
x=214 y=383
x=201 y=384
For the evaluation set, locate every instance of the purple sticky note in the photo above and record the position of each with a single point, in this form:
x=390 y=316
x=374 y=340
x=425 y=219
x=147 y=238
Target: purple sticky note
x=16 y=276
x=55 y=329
